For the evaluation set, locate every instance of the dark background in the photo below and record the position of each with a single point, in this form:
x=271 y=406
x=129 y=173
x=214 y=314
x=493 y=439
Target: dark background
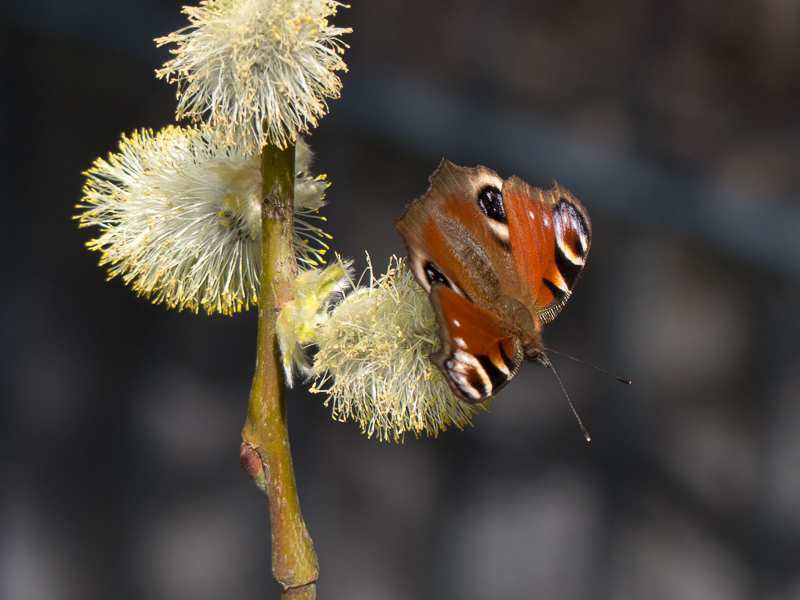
x=677 y=124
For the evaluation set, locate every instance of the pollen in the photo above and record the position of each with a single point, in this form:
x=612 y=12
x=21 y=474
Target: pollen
x=241 y=64
x=373 y=361
x=179 y=218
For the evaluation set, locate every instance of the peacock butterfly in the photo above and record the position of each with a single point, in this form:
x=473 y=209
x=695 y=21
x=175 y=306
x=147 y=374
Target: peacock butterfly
x=498 y=258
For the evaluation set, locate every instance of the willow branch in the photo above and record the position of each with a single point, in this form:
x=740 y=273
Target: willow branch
x=265 y=450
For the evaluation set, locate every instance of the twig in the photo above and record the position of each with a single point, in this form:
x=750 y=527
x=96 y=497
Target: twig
x=265 y=452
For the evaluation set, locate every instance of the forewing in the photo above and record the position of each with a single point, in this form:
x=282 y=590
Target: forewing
x=449 y=239
x=550 y=234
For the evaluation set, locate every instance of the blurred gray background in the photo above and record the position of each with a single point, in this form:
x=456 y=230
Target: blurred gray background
x=677 y=124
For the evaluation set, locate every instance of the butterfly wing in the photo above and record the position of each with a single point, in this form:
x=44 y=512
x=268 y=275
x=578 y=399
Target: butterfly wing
x=449 y=240
x=478 y=356
x=498 y=259
x=550 y=235
x=458 y=249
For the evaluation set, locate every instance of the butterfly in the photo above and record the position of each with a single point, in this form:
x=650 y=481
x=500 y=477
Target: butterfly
x=498 y=258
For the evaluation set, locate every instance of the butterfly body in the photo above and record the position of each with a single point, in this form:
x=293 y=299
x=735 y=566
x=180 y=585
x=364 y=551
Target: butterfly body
x=498 y=258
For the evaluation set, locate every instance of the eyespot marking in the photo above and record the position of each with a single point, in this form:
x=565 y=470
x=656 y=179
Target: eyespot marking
x=498 y=375
x=490 y=200
x=435 y=277
x=468 y=376
x=571 y=232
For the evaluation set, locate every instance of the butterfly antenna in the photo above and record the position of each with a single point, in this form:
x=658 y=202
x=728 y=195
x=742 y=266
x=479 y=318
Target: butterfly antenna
x=596 y=368
x=574 y=412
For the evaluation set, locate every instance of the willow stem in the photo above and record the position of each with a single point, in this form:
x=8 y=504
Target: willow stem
x=265 y=452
